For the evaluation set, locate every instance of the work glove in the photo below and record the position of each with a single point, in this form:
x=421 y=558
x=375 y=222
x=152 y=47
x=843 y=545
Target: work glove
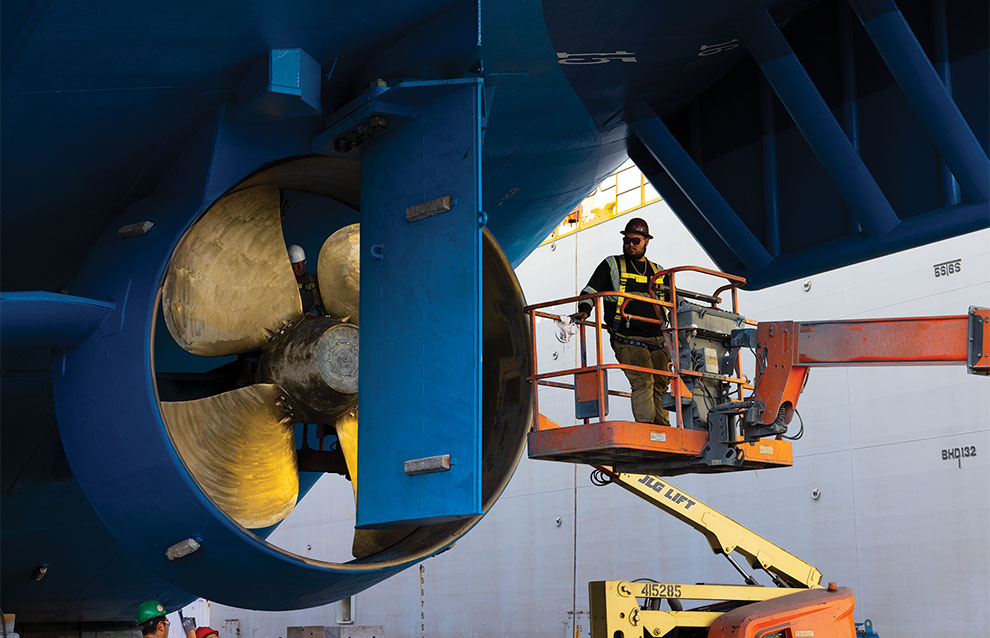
x=188 y=624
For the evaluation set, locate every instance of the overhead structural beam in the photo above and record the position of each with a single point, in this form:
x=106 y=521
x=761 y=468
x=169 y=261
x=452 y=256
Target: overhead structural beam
x=935 y=225
x=940 y=44
x=927 y=95
x=768 y=139
x=850 y=97
x=662 y=144
x=847 y=76
x=817 y=124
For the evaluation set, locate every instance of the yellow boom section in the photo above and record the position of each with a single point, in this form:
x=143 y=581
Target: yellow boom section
x=723 y=534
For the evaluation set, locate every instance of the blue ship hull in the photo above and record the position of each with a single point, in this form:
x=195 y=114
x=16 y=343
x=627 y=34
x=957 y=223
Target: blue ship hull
x=788 y=143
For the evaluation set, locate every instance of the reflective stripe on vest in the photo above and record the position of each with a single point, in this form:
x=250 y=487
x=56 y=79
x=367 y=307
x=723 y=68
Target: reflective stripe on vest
x=622 y=277
x=309 y=282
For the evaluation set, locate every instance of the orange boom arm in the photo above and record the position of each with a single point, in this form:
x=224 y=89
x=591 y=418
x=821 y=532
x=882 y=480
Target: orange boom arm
x=786 y=349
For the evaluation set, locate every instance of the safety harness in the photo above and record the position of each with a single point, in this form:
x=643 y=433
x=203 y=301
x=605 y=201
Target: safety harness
x=621 y=280
x=307 y=285
x=310 y=284
x=635 y=342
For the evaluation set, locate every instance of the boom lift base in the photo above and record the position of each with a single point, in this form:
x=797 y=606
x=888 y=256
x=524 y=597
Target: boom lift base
x=629 y=446
x=741 y=611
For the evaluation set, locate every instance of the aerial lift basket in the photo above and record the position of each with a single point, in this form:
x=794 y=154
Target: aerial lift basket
x=707 y=391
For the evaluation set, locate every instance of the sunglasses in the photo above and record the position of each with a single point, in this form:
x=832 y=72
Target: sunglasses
x=632 y=240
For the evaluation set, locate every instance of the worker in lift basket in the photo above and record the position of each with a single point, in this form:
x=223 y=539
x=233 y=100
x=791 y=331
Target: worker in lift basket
x=309 y=289
x=637 y=343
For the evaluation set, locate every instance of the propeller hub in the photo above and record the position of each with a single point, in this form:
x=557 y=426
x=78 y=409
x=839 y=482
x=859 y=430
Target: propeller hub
x=316 y=362
x=337 y=357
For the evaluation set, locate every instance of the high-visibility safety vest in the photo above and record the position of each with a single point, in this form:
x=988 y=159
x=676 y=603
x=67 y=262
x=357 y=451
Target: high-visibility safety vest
x=621 y=278
x=309 y=287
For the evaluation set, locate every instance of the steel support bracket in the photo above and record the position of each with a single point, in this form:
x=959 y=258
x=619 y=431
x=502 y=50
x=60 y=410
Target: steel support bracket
x=978 y=359
x=368 y=115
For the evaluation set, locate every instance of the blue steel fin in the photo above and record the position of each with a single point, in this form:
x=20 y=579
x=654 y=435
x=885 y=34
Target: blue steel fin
x=419 y=457
x=48 y=319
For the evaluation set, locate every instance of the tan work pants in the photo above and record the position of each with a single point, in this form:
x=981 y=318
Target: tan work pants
x=646 y=388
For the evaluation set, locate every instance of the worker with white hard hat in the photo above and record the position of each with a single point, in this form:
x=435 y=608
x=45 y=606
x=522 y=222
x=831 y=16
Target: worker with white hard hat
x=309 y=288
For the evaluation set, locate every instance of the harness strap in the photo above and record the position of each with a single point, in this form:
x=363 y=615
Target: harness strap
x=619 y=281
x=636 y=342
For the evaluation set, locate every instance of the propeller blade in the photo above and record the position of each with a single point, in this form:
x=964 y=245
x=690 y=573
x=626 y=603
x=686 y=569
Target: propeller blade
x=229 y=284
x=339 y=273
x=347 y=433
x=367 y=542
x=239 y=447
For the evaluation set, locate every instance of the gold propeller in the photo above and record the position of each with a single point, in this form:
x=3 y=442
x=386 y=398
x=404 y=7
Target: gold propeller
x=239 y=447
x=228 y=288
x=230 y=285
x=347 y=437
x=339 y=273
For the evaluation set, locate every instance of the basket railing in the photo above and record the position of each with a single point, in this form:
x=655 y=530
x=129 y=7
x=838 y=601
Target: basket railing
x=659 y=293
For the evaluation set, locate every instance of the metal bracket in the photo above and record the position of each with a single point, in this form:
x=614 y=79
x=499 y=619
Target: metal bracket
x=427 y=465
x=978 y=359
x=430 y=208
x=368 y=115
x=743 y=338
x=134 y=230
x=720 y=452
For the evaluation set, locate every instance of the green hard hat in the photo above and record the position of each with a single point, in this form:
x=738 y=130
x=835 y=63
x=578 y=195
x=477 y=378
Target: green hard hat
x=149 y=609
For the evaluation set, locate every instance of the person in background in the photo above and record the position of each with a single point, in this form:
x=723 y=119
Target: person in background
x=188 y=625
x=309 y=287
x=151 y=619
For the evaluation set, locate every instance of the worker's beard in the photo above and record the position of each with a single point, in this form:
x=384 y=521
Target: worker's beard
x=634 y=252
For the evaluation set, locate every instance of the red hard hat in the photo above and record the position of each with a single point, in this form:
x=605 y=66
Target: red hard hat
x=203 y=632
x=638 y=226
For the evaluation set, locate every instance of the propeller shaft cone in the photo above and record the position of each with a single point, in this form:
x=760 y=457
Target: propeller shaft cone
x=317 y=363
